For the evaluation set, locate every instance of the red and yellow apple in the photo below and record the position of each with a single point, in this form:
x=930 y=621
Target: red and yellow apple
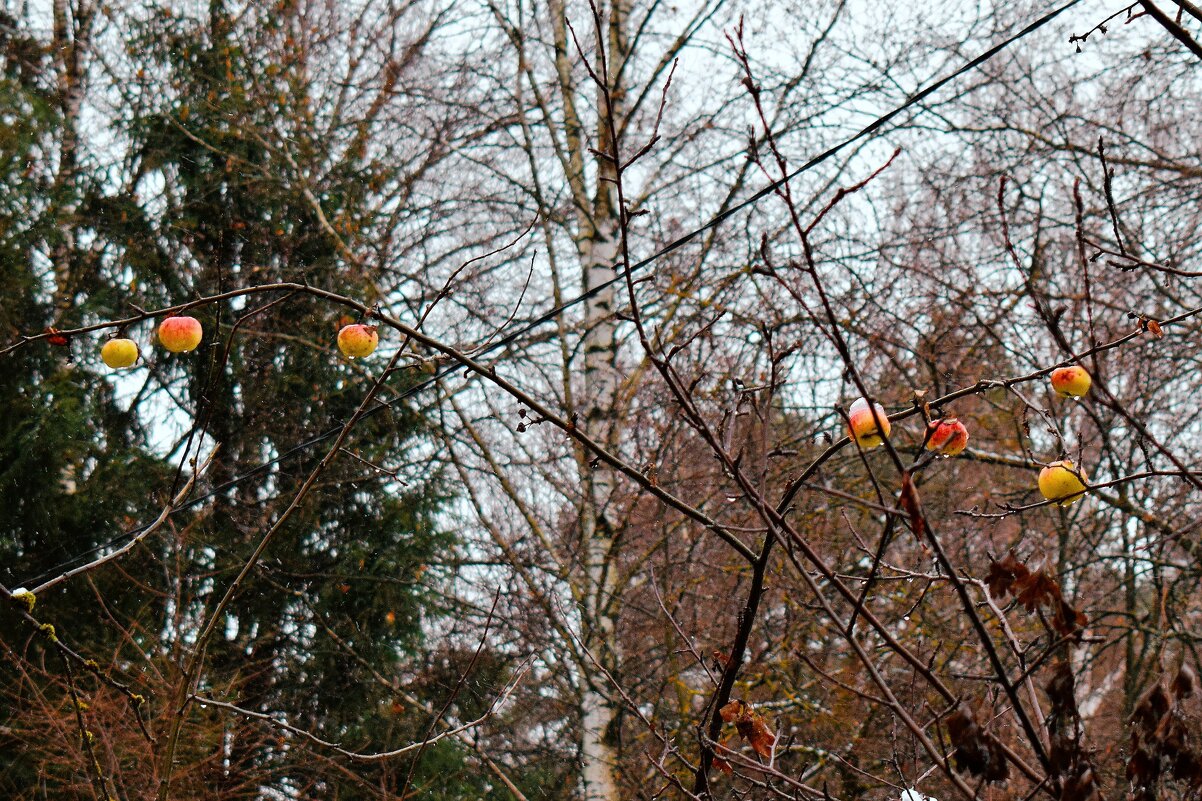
x=1062 y=482
x=180 y=334
x=862 y=425
x=118 y=353
x=948 y=436
x=357 y=340
x=1071 y=382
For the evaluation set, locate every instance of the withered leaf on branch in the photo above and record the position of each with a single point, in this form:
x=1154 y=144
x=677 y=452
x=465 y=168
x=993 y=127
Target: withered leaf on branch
x=1068 y=620
x=909 y=502
x=1165 y=740
x=1002 y=575
x=1081 y=787
x=1070 y=762
x=1034 y=589
x=751 y=726
x=1064 y=723
x=1152 y=708
x=721 y=764
x=1038 y=590
x=977 y=751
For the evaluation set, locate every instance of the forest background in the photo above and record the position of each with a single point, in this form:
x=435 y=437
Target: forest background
x=588 y=524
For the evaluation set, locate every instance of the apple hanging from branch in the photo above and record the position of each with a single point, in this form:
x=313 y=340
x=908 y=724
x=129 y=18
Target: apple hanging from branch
x=357 y=340
x=1062 y=482
x=862 y=425
x=1071 y=382
x=180 y=334
x=947 y=437
x=119 y=353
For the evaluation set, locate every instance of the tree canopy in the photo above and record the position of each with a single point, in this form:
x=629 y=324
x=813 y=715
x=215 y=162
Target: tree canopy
x=599 y=400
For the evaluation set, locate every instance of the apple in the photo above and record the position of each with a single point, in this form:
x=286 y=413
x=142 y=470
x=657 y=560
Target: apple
x=1062 y=482
x=357 y=340
x=1071 y=382
x=862 y=426
x=948 y=436
x=180 y=334
x=118 y=353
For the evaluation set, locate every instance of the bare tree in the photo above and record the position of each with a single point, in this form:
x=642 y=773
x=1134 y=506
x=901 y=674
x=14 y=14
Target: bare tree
x=721 y=576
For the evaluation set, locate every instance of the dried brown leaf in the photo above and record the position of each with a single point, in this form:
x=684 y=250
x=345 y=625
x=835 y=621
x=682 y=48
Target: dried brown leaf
x=977 y=751
x=762 y=739
x=1003 y=574
x=731 y=712
x=1034 y=589
x=1037 y=590
x=751 y=726
x=909 y=502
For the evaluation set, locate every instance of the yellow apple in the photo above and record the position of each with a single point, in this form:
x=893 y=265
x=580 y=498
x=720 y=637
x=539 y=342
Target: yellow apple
x=118 y=353
x=862 y=426
x=1062 y=482
x=358 y=340
x=1071 y=382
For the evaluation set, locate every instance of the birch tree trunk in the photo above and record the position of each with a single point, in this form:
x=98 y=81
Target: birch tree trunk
x=598 y=712
x=596 y=392
x=598 y=247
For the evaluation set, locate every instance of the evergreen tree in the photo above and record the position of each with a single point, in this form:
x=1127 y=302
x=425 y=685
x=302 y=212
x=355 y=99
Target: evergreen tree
x=74 y=469
x=338 y=608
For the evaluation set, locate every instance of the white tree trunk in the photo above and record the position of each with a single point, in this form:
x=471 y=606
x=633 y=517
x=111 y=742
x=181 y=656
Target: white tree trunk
x=601 y=380
x=597 y=241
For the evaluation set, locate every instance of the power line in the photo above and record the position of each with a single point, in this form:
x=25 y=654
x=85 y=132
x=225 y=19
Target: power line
x=555 y=311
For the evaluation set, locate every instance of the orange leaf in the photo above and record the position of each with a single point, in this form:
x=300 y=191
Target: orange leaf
x=751 y=726
x=732 y=711
x=761 y=738
x=720 y=763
